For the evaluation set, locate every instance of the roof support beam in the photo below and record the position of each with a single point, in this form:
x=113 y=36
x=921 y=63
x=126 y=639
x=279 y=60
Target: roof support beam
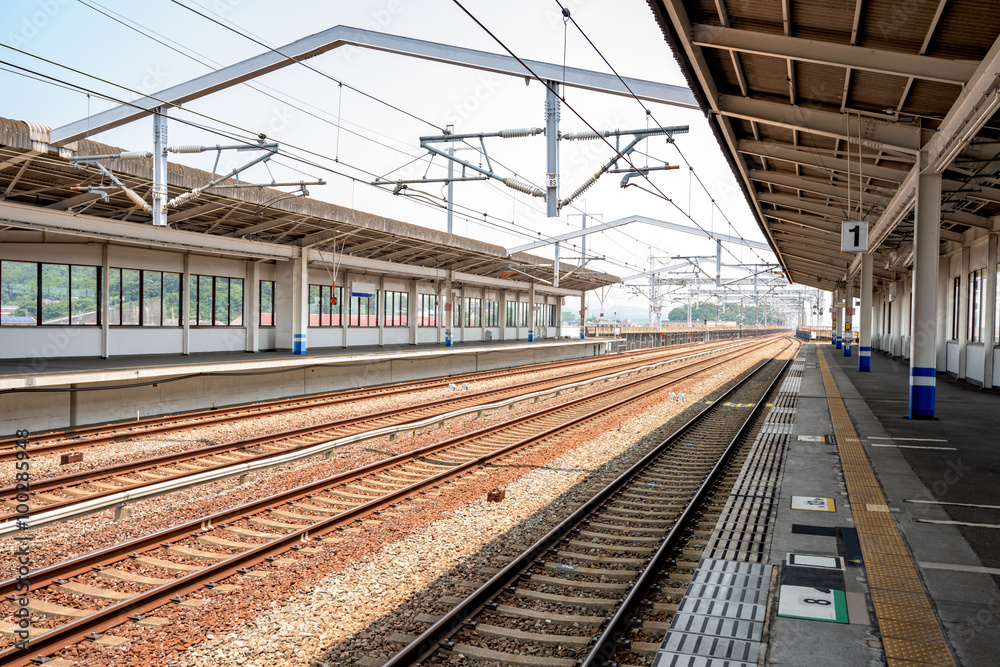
x=816 y=186
x=780 y=151
x=879 y=135
x=829 y=53
x=314 y=45
x=810 y=205
x=637 y=218
x=973 y=109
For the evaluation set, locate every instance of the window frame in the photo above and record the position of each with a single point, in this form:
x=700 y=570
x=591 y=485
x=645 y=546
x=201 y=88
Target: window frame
x=427 y=310
x=975 y=319
x=195 y=301
x=260 y=302
x=40 y=289
x=395 y=308
x=956 y=296
x=354 y=311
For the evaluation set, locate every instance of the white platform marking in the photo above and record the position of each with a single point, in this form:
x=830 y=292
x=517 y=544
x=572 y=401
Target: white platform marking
x=959 y=568
x=812 y=603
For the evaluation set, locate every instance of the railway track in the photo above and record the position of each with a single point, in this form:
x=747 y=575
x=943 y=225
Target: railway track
x=601 y=587
x=164 y=472
x=86 y=596
x=53 y=442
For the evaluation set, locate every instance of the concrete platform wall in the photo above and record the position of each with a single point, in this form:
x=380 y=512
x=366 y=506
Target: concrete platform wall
x=39 y=411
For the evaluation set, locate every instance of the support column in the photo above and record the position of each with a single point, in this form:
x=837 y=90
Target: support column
x=503 y=314
x=531 y=313
x=865 y=344
x=380 y=309
x=849 y=319
x=186 y=306
x=292 y=299
x=413 y=311
x=106 y=306
x=251 y=305
x=449 y=312
x=583 y=311
x=160 y=167
x=989 y=310
x=552 y=149
x=963 y=313
x=927 y=241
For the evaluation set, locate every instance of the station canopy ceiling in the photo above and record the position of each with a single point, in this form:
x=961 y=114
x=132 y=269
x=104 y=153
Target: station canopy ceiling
x=823 y=107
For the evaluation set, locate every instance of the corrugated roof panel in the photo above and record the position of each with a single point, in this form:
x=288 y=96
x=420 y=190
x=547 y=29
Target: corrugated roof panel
x=760 y=15
x=823 y=84
x=931 y=98
x=766 y=74
x=721 y=64
x=824 y=20
x=874 y=91
x=967 y=30
x=892 y=25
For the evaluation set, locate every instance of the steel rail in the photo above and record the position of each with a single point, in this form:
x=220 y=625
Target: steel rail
x=75 y=508
x=114 y=614
x=112 y=431
x=271 y=459
x=431 y=639
x=45 y=576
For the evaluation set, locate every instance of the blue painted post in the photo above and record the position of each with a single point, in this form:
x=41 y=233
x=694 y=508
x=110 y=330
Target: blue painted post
x=926 y=247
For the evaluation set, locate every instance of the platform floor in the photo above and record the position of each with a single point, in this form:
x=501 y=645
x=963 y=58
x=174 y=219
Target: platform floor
x=888 y=496
x=15 y=373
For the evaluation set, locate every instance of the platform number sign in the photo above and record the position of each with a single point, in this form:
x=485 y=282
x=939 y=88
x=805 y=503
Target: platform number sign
x=854 y=236
x=816 y=604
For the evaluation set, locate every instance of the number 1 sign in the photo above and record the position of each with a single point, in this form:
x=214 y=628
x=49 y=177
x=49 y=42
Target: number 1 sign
x=854 y=236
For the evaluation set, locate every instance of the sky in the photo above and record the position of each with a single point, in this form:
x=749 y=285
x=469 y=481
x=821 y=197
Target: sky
x=357 y=114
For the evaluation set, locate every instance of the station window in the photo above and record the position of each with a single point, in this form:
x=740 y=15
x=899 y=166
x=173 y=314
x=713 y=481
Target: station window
x=323 y=312
x=363 y=311
x=266 y=303
x=63 y=294
x=216 y=301
x=491 y=314
x=396 y=304
x=473 y=312
x=517 y=314
x=975 y=306
x=427 y=310
x=956 y=295
x=144 y=298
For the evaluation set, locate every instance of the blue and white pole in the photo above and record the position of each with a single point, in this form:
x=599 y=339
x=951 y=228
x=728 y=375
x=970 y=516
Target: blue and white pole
x=865 y=341
x=926 y=247
x=298 y=344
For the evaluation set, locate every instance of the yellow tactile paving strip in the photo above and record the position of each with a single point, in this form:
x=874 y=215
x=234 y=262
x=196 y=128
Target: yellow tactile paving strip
x=911 y=633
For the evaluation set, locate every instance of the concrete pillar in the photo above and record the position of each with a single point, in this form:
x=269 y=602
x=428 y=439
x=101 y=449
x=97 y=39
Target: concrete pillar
x=865 y=343
x=583 y=313
x=927 y=241
x=251 y=305
x=106 y=306
x=849 y=319
x=292 y=305
x=838 y=298
x=344 y=309
x=413 y=311
x=963 y=312
x=531 y=313
x=186 y=306
x=380 y=309
x=503 y=314
x=449 y=312
x=989 y=310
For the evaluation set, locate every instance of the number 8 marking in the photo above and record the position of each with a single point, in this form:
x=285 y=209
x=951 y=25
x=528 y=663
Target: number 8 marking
x=815 y=601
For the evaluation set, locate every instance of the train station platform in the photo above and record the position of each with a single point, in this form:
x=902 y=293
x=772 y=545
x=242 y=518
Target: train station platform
x=881 y=532
x=42 y=394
